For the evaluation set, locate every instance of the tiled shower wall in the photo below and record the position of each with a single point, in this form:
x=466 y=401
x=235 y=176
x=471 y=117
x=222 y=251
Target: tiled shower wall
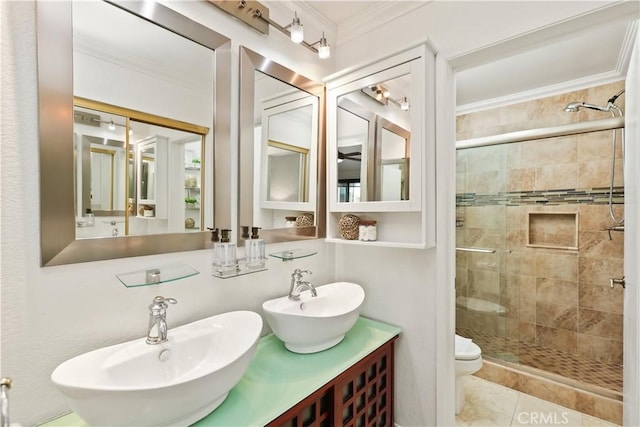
x=553 y=297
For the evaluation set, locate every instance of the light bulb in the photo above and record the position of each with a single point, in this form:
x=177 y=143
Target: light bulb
x=324 y=51
x=297 y=31
x=111 y=126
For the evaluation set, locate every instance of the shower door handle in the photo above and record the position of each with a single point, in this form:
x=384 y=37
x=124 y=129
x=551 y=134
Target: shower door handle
x=613 y=281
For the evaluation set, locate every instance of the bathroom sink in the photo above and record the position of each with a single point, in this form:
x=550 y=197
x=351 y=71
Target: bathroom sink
x=315 y=323
x=174 y=383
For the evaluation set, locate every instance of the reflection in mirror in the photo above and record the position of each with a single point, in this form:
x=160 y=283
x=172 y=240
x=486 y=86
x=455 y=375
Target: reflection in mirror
x=281 y=131
x=165 y=191
x=288 y=135
x=150 y=60
x=355 y=134
x=286 y=173
x=373 y=126
x=391 y=161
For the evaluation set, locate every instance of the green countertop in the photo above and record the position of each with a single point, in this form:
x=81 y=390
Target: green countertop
x=277 y=379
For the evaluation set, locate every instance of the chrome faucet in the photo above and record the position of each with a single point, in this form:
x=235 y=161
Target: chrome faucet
x=157 y=331
x=297 y=285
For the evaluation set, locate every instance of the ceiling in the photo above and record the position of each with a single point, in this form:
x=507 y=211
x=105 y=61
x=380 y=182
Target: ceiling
x=593 y=52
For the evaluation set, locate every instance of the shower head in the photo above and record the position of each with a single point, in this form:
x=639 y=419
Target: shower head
x=573 y=107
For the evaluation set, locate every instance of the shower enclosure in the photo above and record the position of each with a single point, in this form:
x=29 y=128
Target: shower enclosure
x=540 y=236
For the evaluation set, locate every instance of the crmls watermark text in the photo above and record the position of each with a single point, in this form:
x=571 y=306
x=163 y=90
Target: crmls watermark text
x=543 y=418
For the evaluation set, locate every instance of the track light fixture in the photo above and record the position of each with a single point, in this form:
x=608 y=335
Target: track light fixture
x=324 y=51
x=296 y=29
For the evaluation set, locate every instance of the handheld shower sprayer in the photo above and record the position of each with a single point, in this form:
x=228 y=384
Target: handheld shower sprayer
x=612 y=108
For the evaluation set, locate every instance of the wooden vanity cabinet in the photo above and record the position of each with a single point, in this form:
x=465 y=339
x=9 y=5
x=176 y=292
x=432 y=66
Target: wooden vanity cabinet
x=361 y=396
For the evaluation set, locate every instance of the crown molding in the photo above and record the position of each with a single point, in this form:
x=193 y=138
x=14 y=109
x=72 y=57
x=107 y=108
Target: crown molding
x=627 y=47
x=543 y=92
x=373 y=17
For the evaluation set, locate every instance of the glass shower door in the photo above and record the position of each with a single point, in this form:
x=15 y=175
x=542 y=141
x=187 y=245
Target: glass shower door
x=487 y=271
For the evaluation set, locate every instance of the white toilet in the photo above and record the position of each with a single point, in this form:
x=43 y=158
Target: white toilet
x=468 y=361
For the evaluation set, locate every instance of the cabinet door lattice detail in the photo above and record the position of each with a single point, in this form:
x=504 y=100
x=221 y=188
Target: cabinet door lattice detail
x=362 y=396
x=365 y=393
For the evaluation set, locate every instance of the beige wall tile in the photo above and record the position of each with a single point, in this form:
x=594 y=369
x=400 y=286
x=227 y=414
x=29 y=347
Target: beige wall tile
x=600 y=349
x=599 y=297
x=597 y=146
x=597 y=174
x=528 y=310
x=560 y=339
x=556 y=151
x=556 y=291
x=527 y=332
x=600 y=324
x=596 y=217
x=556 y=177
x=557 y=266
x=557 y=316
x=594 y=244
x=600 y=270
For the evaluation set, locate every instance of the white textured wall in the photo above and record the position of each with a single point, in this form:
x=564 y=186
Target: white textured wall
x=51 y=314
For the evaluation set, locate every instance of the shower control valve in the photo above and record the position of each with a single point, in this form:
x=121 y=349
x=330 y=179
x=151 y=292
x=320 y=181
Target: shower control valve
x=614 y=281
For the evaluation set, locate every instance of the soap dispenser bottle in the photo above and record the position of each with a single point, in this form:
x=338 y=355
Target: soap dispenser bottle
x=255 y=250
x=224 y=253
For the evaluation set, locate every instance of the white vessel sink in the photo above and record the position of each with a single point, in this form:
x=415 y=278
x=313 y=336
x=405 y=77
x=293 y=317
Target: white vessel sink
x=315 y=323
x=175 y=383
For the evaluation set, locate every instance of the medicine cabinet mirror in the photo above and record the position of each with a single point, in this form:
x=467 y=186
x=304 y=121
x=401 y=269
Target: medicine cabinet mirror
x=281 y=159
x=372 y=121
x=381 y=148
x=127 y=94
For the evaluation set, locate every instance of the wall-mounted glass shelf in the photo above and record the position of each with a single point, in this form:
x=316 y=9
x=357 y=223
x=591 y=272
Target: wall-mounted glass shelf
x=154 y=276
x=291 y=254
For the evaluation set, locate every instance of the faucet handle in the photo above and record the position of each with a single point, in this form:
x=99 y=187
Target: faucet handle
x=161 y=302
x=297 y=272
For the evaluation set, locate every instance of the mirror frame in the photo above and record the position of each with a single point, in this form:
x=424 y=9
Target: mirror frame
x=250 y=62
x=58 y=243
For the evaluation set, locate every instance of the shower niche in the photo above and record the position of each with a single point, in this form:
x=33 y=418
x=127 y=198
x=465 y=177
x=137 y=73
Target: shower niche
x=553 y=230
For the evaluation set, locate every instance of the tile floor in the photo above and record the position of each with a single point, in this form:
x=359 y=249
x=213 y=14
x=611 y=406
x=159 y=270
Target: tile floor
x=569 y=365
x=490 y=404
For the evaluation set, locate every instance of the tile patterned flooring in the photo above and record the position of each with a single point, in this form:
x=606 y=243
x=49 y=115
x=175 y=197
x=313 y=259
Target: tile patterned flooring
x=490 y=404
x=572 y=366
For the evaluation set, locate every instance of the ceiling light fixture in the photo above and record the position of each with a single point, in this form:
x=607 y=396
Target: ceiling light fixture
x=111 y=126
x=404 y=104
x=296 y=29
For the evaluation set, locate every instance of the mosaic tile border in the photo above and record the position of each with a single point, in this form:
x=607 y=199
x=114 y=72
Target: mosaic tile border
x=596 y=196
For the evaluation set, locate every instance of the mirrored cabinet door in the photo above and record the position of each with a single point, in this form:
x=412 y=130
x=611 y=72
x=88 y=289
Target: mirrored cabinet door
x=381 y=151
x=282 y=151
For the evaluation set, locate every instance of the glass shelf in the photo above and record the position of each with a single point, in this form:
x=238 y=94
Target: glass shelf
x=291 y=254
x=154 y=276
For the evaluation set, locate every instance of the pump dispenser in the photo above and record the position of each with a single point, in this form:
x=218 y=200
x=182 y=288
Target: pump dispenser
x=255 y=250
x=224 y=253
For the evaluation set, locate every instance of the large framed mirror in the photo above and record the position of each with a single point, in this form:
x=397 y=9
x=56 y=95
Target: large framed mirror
x=132 y=98
x=281 y=157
